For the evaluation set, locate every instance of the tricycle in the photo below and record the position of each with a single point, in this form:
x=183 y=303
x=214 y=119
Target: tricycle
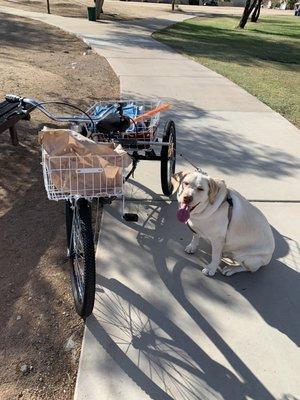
x=82 y=180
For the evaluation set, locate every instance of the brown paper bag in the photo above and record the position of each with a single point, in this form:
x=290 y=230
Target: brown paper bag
x=78 y=166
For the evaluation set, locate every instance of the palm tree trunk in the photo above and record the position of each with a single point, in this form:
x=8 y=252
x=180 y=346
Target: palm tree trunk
x=247 y=11
x=256 y=12
x=98 y=5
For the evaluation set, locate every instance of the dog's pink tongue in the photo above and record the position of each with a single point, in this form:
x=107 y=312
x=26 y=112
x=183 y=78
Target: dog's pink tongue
x=183 y=214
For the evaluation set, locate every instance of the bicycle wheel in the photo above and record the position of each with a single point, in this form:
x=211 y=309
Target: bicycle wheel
x=82 y=255
x=168 y=158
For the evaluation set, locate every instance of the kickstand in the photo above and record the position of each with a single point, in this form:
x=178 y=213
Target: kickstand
x=131 y=172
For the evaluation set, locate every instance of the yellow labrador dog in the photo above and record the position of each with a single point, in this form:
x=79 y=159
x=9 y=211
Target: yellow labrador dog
x=235 y=228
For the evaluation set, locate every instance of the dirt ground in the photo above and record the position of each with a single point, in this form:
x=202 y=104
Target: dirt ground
x=126 y=10
x=37 y=316
x=112 y=10
x=64 y=8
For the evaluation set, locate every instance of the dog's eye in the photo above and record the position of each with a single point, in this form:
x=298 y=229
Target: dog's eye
x=199 y=188
x=185 y=183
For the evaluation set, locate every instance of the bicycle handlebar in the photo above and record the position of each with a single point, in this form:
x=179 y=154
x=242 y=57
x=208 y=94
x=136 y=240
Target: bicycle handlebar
x=12 y=98
x=29 y=105
x=25 y=102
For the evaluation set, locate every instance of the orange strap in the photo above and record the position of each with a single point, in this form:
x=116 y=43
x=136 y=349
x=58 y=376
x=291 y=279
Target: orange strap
x=150 y=113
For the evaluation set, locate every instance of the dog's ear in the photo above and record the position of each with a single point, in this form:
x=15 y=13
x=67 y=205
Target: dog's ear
x=214 y=187
x=177 y=178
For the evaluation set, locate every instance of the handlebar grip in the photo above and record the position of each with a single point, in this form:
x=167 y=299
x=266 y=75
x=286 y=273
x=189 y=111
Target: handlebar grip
x=12 y=98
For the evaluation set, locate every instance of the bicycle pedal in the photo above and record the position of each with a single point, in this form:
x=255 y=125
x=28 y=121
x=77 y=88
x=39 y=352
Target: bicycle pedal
x=130 y=217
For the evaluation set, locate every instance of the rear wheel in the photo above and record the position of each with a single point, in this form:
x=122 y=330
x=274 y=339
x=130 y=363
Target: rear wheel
x=82 y=255
x=168 y=158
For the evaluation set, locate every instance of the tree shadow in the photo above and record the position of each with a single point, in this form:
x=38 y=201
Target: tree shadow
x=235 y=153
x=292 y=35
x=24 y=241
x=210 y=144
x=36 y=38
x=34 y=280
x=32 y=264
x=224 y=43
x=64 y=9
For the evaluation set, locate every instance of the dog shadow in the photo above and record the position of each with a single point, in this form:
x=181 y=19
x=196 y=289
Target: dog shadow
x=274 y=290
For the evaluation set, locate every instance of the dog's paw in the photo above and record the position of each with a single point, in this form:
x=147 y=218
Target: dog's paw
x=228 y=271
x=190 y=249
x=208 y=272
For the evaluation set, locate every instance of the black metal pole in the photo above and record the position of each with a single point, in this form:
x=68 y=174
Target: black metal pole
x=48 y=7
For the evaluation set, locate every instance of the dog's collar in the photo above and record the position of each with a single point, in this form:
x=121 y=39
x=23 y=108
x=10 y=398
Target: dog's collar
x=230 y=207
x=227 y=199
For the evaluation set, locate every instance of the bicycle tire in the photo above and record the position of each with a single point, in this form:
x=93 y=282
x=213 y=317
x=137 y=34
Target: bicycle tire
x=79 y=227
x=168 y=161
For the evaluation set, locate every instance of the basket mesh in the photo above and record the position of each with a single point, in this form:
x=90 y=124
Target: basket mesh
x=68 y=177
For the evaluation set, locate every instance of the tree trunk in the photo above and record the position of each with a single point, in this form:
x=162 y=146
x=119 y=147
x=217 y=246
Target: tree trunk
x=99 y=6
x=256 y=12
x=173 y=5
x=246 y=14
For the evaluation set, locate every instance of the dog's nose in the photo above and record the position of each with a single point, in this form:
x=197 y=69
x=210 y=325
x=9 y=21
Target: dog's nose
x=187 y=199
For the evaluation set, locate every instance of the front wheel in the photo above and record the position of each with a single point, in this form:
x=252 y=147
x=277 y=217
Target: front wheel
x=168 y=158
x=82 y=255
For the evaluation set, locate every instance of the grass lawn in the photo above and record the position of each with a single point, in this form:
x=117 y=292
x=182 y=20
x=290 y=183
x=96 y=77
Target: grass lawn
x=264 y=58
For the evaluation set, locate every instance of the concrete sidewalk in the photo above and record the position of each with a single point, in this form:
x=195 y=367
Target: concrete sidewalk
x=159 y=326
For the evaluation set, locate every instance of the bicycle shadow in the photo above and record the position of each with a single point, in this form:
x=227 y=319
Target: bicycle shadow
x=164 y=361
x=159 y=233
x=154 y=236
x=282 y=274
x=278 y=309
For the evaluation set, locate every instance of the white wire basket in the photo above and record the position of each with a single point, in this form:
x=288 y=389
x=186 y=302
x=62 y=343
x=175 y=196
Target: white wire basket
x=67 y=177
